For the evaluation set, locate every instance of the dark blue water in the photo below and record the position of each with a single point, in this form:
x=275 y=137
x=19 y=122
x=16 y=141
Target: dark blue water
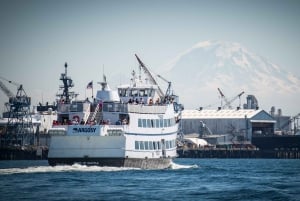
x=188 y=179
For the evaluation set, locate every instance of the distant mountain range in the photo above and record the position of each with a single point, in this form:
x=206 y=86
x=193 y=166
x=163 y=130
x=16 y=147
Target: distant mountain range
x=199 y=71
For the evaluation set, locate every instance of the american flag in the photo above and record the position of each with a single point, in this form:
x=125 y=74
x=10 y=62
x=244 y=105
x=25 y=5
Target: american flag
x=90 y=85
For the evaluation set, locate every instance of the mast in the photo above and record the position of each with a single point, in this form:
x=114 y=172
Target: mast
x=66 y=95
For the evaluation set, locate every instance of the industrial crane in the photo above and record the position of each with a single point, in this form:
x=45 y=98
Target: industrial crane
x=19 y=127
x=7 y=92
x=228 y=102
x=20 y=99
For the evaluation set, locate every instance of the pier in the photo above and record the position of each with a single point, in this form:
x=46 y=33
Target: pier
x=238 y=153
x=23 y=153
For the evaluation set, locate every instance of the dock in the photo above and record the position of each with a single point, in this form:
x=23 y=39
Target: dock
x=238 y=153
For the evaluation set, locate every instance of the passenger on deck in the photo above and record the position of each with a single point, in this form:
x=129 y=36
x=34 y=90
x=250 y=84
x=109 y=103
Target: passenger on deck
x=82 y=122
x=118 y=122
x=142 y=101
x=157 y=101
x=124 y=122
x=151 y=101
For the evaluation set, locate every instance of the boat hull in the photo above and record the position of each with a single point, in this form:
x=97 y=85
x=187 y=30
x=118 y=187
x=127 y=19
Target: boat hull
x=146 y=163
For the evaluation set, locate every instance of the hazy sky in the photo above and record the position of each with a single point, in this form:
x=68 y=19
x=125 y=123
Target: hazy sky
x=38 y=37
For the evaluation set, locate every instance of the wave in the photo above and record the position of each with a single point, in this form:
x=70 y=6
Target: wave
x=79 y=168
x=175 y=166
x=63 y=168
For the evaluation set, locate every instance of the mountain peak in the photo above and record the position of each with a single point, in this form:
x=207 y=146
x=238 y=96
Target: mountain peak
x=210 y=64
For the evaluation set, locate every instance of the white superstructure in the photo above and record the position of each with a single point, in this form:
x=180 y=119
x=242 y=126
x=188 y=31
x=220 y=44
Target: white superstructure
x=133 y=126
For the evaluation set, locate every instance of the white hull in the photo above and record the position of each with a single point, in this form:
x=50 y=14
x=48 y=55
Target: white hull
x=133 y=126
x=100 y=149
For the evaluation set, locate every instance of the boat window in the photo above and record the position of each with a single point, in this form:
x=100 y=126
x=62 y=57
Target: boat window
x=161 y=123
x=154 y=146
x=169 y=122
x=167 y=144
x=148 y=123
x=116 y=108
x=127 y=92
x=107 y=107
x=142 y=147
x=146 y=92
x=173 y=121
x=143 y=92
x=150 y=92
x=140 y=123
x=151 y=145
x=165 y=123
x=159 y=145
x=157 y=123
x=152 y=123
x=134 y=92
x=146 y=145
x=144 y=123
x=137 y=145
x=121 y=92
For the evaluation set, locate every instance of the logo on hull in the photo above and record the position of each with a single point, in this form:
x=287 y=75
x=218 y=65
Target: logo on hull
x=84 y=130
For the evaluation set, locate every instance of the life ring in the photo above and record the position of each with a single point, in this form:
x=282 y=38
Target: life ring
x=76 y=118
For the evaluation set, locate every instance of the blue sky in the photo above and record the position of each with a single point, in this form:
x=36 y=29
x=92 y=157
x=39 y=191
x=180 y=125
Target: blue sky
x=38 y=37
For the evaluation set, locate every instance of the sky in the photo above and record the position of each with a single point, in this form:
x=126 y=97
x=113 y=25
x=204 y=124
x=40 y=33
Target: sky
x=96 y=37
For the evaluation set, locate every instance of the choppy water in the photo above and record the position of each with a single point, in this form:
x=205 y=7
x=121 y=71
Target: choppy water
x=188 y=179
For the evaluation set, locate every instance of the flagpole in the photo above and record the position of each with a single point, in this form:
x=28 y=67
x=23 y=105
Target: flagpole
x=92 y=92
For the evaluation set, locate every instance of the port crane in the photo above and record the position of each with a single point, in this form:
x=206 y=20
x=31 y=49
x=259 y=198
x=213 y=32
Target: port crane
x=19 y=128
x=228 y=102
x=3 y=87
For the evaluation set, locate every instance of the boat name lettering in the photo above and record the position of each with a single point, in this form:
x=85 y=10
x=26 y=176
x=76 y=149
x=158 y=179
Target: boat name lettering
x=84 y=130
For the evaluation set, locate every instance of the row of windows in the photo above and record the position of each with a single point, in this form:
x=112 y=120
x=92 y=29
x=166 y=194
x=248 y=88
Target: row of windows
x=136 y=92
x=154 y=145
x=156 y=123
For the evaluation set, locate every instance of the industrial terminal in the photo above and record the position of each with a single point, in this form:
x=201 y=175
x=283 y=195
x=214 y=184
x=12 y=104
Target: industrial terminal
x=245 y=131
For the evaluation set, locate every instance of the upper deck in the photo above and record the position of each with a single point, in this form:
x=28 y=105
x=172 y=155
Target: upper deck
x=134 y=108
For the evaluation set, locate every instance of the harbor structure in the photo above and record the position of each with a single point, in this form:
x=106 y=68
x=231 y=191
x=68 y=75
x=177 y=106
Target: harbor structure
x=227 y=126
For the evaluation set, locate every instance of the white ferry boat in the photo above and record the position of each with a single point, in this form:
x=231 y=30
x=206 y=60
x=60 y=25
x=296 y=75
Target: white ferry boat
x=133 y=126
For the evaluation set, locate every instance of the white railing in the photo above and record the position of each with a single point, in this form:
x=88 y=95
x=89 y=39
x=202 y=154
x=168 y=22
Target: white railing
x=95 y=112
x=86 y=115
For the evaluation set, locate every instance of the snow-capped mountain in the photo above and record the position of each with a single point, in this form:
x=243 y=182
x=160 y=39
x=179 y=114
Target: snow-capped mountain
x=199 y=71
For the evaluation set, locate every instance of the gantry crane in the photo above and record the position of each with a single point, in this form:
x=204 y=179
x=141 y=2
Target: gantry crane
x=19 y=128
x=228 y=102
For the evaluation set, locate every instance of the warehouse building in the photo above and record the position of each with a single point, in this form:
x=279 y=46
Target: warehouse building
x=227 y=126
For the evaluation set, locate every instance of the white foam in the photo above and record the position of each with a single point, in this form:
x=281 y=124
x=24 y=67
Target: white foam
x=63 y=168
x=175 y=166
